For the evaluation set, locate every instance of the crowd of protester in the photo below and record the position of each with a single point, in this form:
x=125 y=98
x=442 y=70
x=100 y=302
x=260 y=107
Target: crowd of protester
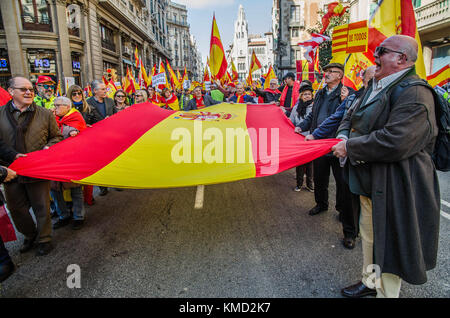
x=314 y=114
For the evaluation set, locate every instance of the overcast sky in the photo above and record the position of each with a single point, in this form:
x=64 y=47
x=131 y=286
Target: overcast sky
x=200 y=15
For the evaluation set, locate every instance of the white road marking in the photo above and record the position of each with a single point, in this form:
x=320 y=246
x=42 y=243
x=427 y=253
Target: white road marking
x=445 y=203
x=199 y=197
x=445 y=215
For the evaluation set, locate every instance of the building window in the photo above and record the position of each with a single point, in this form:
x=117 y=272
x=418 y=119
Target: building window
x=416 y=3
x=35 y=15
x=107 y=36
x=292 y=60
x=5 y=70
x=294 y=32
x=295 y=13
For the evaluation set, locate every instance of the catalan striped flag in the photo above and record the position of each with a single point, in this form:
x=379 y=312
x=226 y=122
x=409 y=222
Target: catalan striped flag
x=339 y=44
x=164 y=148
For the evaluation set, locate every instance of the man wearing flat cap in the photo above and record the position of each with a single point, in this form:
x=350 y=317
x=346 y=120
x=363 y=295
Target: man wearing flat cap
x=45 y=87
x=325 y=104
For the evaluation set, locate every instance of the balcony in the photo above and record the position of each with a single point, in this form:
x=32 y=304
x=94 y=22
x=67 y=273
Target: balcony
x=178 y=22
x=42 y=23
x=128 y=17
x=433 y=16
x=109 y=45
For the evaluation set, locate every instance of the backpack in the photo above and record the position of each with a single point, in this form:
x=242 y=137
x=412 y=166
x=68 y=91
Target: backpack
x=441 y=152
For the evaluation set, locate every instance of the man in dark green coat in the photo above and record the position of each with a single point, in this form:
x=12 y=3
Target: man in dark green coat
x=388 y=139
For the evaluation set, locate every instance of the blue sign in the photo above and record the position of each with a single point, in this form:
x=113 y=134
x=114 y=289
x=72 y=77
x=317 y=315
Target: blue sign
x=44 y=63
x=76 y=65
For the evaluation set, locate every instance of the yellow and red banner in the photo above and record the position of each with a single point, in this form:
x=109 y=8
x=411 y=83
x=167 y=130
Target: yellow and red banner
x=357 y=37
x=164 y=148
x=339 y=44
x=440 y=78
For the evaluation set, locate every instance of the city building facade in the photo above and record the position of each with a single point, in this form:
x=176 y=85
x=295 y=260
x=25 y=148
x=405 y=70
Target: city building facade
x=76 y=41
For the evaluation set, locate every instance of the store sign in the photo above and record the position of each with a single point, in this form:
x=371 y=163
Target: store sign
x=76 y=67
x=42 y=63
x=4 y=65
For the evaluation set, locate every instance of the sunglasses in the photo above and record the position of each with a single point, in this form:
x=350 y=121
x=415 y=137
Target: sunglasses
x=139 y=95
x=121 y=96
x=24 y=89
x=45 y=86
x=77 y=94
x=380 y=50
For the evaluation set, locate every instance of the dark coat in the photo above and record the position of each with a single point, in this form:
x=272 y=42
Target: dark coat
x=310 y=123
x=109 y=106
x=206 y=99
x=391 y=142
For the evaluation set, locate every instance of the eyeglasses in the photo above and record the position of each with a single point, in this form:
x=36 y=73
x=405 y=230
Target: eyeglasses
x=45 y=86
x=77 y=94
x=330 y=71
x=138 y=95
x=121 y=96
x=24 y=89
x=380 y=50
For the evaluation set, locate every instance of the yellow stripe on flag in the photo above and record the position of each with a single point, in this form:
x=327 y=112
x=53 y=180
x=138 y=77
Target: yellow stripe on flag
x=166 y=140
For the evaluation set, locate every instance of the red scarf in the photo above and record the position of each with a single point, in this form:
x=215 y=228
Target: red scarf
x=73 y=119
x=295 y=94
x=169 y=101
x=268 y=90
x=200 y=102
x=240 y=98
x=154 y=100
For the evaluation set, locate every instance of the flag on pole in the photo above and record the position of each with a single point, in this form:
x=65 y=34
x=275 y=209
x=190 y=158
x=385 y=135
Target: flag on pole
x=162 y=69
x=234 y=71
x=339 y=44
x=255 y=63
x=312 y=45
x=390 y=18
x=218 y=62
x=173 y=76
x=58 y=89
x=334 y=9
x=269 y=76
x=136 y=57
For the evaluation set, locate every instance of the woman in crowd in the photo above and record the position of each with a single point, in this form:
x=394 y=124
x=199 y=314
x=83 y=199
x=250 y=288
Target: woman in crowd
x=120 y=100
x=169 y=100
x=71 y=122
x=90 y=114
x=152 y=95
x=298 y=114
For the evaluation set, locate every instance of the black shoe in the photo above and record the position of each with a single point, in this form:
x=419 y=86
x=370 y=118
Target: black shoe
x=310 y=188
x=348 y=243
x=357 y=291
x=6 y=270
x=77 y=224
x=60 y=223
x=316 y=210
x=103 y=191
x=28 y=244
x=44 y=248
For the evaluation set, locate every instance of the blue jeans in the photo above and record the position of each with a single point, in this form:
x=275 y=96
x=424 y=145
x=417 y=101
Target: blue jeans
x=61 y=207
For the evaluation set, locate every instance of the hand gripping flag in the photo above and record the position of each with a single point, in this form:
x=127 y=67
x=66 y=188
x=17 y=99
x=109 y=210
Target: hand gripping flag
x=164 y=148
x=218 y=62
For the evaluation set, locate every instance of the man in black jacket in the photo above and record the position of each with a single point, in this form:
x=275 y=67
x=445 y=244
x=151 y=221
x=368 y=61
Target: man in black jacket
x=200 y=101
x=105 y=107
x=325 y=104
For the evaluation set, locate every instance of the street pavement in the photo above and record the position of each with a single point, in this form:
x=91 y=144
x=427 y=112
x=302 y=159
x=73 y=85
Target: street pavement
x=252 y=238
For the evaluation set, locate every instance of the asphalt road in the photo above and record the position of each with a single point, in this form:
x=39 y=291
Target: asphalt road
x=252 y=238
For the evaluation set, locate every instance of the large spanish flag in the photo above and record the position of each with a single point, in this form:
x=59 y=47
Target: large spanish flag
x=441 y=77
x=218 y=62
x=164 y=148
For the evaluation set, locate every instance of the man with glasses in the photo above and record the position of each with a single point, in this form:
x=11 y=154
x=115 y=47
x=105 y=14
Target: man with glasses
x=271 y=94
x=326 y=101
x=45 y=88
x=25 y=127
x=388 y=140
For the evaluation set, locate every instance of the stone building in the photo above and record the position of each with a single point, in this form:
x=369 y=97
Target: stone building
x=241 y=49
x=77 y=40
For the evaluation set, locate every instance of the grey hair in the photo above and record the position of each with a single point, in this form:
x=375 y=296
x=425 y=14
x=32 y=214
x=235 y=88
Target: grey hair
x=63 y=100
x=95 y=84
x=411 y=53
x=143 y=91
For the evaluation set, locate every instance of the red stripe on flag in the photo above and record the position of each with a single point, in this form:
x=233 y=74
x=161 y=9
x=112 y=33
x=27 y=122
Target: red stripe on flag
x=94 y=148
x=356 y=49
x=339 y=50
x=357 y=25
x=340 y=37
x=289 y=150
x=408 y=19
x=429 y=77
